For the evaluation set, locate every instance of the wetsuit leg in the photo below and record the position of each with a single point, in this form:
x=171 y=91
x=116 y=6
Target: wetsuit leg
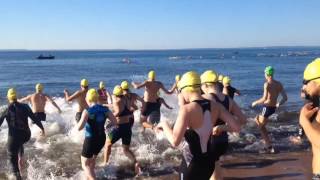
x=154 y=117
x=41 y=116
x=15 y=146
x=218 y=145
x=115 y=134
x=268 y=111
x=201 y=169
x=126 y=134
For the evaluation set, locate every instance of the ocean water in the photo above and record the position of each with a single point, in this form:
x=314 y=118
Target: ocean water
x=57 y=156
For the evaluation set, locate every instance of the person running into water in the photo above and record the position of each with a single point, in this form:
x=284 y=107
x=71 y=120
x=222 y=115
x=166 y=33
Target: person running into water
x=93 y=120
x=123 y=130
x=195 y=123
x=104 y=95
x=309 y=115
x=150 y=97
x=219 y=139
x=132 y=98
x=271 y=90
x=16 y=115
x=155 y=116
x=80 y=96
x=228 y=89
x=38 y=102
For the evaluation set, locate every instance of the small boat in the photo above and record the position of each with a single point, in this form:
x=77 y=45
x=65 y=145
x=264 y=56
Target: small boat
x=45 y=57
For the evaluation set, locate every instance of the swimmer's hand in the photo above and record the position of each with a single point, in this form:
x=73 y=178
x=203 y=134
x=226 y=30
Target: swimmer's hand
x=278 y=105
x=254 y=104
x=65 y=91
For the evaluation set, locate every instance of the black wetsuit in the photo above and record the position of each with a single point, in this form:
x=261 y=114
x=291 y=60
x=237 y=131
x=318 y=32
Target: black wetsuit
x=152 y=110
x=231 y=91
x=16 y=115
x=123 y=131
x=201 y=165
x=219 y=144
x=220 y=86
x=41 y=116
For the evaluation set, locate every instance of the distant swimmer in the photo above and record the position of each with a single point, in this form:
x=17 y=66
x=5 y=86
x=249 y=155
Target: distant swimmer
x=132 y=98
x=16 y=115
x=195 y=124
x=123 y=131
x=80 y=96
x=38 y=102
x=219 y=140
x=150 y=97
x=228 y=89
x=309 y=115
x=104 y=95
x=93 y=120
x=220 y=82
x=272 y=89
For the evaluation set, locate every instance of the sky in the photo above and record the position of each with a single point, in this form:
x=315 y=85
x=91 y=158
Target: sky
x=157 y=24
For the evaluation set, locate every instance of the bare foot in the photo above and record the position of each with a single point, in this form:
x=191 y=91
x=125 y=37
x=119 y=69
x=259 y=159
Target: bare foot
x=137 y=169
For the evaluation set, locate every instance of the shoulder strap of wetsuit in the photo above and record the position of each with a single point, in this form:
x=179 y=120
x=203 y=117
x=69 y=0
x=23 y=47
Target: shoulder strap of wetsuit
x=204 y=104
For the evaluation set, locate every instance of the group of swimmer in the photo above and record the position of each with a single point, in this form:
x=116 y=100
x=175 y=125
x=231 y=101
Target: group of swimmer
x=207 y=112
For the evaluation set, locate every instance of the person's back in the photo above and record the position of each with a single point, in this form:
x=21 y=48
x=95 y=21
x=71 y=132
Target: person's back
x=38 y=102
x=152 y=88
x=95 y=123
x=274 y=88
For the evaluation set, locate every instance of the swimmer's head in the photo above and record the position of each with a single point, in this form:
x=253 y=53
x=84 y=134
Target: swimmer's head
x=12 y=95
x=125 y=85
x=152 y=75
x=311 y=78
x=84 y=83
x=39 y=87
x=92 y=96
x=209 y=77
x=117 y=90
x=226 y=81
x=101 y=85
x=269 y=71
x=190 y=82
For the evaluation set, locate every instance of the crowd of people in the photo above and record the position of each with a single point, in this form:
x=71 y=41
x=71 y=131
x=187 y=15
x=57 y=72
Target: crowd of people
x=207 y=112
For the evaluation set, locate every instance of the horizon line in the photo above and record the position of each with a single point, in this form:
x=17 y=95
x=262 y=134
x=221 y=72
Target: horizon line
x=165 y=49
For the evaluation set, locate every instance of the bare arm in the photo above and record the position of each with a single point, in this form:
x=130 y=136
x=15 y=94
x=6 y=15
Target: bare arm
x=25 y=99
x=225 y=116
x=264 y=97
x=116 y=108
x=176 y=134
x=173 y=88
x=165 y=104
x=112 y=118
x=165 y=90
x=312 y=130
x=284 y=97
x=181 y=100
x=53 y=103
x=72 y=97
x=83 y=120
x=237 y=92
x=139 y=85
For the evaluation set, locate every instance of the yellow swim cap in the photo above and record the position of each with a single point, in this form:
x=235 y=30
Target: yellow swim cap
x=101 y=85
x=312 y=71
x=220 y=78
x=152 y=75
x=117 y=91
x=92 y=95
x=226 y=80
x=125 y=85
x=39 y=87
x=209 y=77
x=178 y=77
x=84 y=83
x=190 y=81
x=12 y=94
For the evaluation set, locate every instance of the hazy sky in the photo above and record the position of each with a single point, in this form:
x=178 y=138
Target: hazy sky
x=157 y=24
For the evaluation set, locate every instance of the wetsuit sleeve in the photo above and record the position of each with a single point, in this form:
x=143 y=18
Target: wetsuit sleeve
x=34 y=118
x=3 y=114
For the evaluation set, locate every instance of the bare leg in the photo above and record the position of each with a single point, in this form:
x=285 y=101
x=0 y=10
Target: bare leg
x=86 y=166
x=217 y=172
x=107 y=152
x=262 y=122
x=132 y=157
x=93 y=165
